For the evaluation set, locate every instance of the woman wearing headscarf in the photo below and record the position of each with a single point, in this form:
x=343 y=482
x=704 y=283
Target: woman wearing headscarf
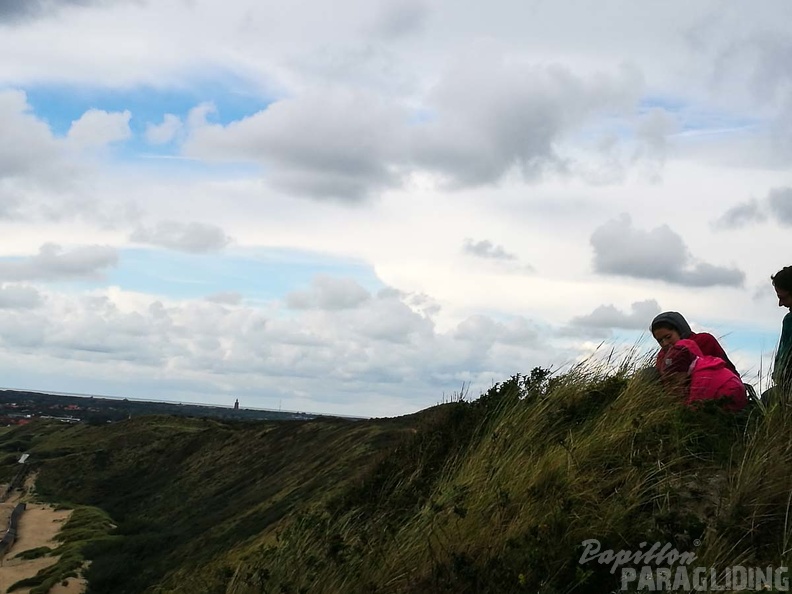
x=670 y=327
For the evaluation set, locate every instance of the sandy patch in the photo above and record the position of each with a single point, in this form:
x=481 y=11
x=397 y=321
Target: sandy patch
x=38 y=526
x=73 y=586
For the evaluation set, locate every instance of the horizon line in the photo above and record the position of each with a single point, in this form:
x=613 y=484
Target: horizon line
x=174 y=402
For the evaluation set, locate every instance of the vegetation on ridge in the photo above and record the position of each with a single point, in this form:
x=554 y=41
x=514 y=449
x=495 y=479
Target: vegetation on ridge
x=531 y=470
x=492 y=495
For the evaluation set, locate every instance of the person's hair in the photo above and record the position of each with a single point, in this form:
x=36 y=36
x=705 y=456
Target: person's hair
x=664 y=326
x=783 y=279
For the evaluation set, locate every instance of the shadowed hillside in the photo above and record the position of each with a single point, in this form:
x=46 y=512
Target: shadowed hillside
x=494 y=495
x=186 y=493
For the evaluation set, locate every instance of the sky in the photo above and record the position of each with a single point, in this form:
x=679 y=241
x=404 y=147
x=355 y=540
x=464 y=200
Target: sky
x=369 y=207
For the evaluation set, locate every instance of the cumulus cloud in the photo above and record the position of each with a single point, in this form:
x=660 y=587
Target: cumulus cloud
x=741 y=215
x=196 y=238
x=19 y=297
x=420 y=302
x=329 y=293
x=28 y=145
x=96 y=128
x=658 y=254
x=486 y=249
x=53 y=263
x=485 y=330
x=489 y=116
x=329 y=144
x=379 y=346
x=776 y=206
x=485 y=118
x=166 y=131
x=44 y=177
x=608 y=316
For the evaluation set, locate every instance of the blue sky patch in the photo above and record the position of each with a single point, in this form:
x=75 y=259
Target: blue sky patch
x=259 y=275
x=60 y=105
x=697 y=118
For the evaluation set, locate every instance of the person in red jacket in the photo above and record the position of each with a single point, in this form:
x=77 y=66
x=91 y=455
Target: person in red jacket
x=702 y=377
x=670 y=327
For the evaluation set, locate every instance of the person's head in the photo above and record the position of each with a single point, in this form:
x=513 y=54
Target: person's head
x=668 y=327
x=665 y=334
x=782 y=283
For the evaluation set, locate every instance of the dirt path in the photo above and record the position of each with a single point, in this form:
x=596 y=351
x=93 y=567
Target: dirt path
x=38 y=526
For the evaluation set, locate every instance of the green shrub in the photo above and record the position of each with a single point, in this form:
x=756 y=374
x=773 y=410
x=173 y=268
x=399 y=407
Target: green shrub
x=34 y=553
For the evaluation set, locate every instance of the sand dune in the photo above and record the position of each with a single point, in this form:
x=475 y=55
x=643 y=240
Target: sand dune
x=38 y=526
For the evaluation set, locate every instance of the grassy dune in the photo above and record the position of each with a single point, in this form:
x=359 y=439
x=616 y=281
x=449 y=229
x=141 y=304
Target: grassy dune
x=493 y=495
x=529 y=472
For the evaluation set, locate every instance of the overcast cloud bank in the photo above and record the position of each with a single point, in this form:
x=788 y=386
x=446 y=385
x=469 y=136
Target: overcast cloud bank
x=520 y=181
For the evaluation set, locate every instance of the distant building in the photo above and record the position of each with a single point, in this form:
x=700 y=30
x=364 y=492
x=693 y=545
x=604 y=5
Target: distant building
x=236 y=404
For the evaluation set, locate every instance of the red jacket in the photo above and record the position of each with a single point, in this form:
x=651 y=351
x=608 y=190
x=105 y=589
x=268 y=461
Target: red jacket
x=710 y=378
x=708 y=345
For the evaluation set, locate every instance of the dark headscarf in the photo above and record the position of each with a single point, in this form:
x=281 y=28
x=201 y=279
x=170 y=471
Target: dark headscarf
x=675 y=320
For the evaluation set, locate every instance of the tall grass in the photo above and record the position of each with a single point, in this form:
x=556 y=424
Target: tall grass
x=497 y=495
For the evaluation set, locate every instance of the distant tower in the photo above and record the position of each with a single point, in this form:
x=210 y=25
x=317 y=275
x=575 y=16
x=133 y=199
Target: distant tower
x=236 y=404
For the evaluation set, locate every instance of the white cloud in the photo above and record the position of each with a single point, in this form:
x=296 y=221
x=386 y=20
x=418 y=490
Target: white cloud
x=329 y=293
x=19 y=297
x=185 y=237
x=413 y=125
x=741 y=215
x=327 y=144
x=53 y=263
x=658 y=254
x=776 y=206
x=44 y=177
x=28 y=144
x=485 y=331
x=608 y=316
x=96 y=128
x=381 y=346
x=166 y=131
x=490 y=115
x=486 y=249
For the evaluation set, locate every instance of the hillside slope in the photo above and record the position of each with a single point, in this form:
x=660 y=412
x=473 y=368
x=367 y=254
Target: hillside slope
x=537 y=467
x=187 y=494
x=494 y=495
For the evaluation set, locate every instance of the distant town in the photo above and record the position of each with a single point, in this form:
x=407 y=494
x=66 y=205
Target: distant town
x=21 y=407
